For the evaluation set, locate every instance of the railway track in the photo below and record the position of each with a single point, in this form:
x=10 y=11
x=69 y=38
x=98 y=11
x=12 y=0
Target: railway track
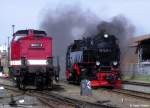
x=9 y=87
x=48 y=97
x=12 y=90
x=56 y=100
x=136 y=94
x=136 y=83
x=49 y=100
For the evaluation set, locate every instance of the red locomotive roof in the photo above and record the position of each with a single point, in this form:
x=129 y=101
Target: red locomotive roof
x=30 y=32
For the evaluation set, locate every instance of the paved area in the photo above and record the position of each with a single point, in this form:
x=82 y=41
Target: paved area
x=148 y=82
x=24 y=101
x=103 y=96
x=99 y=95
x=19 y=99
x=137 y=88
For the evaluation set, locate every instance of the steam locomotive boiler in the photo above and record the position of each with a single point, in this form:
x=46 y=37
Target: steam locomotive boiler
x=96 y=59
x=31 y=60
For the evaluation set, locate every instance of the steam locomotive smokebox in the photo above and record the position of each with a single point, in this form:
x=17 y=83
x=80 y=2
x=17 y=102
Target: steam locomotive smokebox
x=85 y=88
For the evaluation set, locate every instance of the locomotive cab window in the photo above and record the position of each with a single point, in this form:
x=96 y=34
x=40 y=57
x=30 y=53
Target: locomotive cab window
x=20 y=34
x=39 y=33
x=17 y=37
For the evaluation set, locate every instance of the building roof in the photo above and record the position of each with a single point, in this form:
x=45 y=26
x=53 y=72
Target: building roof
x=133 y=42
x=132 y=56
x=141 y=38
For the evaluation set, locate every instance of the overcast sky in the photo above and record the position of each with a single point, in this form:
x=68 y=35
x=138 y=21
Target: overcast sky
x=29 y=13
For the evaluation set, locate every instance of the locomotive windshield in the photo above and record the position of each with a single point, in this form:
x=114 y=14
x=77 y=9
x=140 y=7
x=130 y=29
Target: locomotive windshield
x=39 y=33
x=27 y=32
x=17 y=37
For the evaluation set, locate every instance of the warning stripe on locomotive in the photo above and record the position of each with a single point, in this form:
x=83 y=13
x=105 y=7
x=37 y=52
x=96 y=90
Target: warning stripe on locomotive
x=29 y=62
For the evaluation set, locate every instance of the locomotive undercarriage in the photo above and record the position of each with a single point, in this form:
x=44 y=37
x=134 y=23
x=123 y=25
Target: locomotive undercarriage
x=98 y=77
x=41 y=77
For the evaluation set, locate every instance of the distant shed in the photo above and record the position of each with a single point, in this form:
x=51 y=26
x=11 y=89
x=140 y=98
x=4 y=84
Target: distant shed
x=139 y=53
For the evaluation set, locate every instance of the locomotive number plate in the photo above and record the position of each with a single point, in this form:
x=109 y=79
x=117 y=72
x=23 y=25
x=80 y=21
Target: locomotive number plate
x=36 y=45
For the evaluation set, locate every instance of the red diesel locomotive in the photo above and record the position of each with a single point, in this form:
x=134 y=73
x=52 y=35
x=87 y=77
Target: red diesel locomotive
x=96 y=59
x=31 y=60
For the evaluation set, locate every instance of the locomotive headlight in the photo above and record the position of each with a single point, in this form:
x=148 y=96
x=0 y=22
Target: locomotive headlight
x=97 y=63
x=83 y=69
x=115 y=63
x=105 y=35
x=70 y=74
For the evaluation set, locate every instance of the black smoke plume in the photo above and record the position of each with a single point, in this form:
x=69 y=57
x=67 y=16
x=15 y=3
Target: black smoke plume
x=69 y=23
x=66 y=24
x=121 y=28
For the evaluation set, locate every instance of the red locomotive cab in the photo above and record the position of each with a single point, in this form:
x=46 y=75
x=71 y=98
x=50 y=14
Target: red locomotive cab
x=34 y=47
x=31 y=57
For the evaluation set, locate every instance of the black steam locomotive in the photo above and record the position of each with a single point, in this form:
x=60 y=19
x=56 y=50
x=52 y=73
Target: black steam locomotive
x=96 y=59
